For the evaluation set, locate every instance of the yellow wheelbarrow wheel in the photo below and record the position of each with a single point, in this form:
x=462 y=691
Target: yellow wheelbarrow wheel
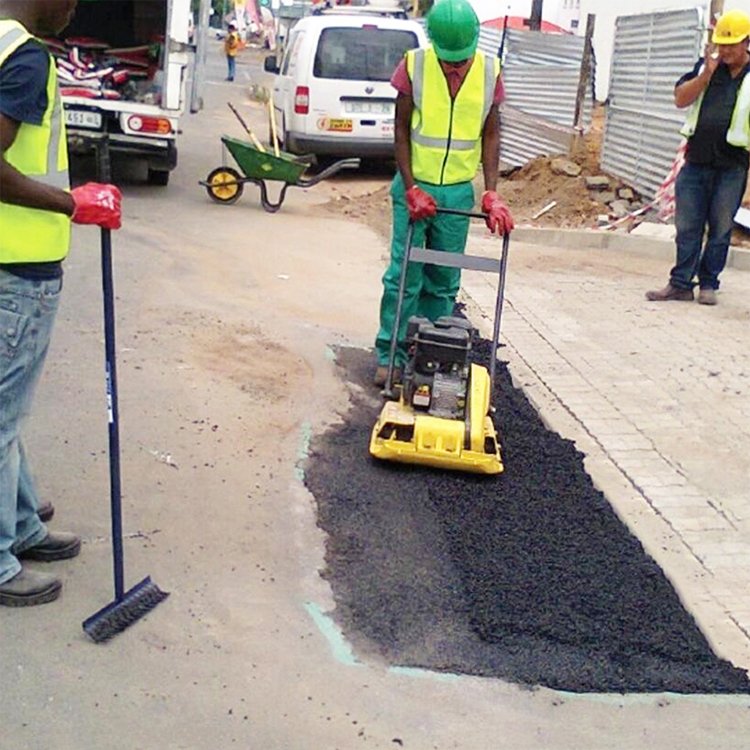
x=224 y=185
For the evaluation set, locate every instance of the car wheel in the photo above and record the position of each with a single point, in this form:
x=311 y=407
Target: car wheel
x=158 y=177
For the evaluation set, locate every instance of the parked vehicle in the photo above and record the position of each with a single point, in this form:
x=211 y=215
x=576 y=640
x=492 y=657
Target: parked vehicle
x=122 y=71
x=332 y=94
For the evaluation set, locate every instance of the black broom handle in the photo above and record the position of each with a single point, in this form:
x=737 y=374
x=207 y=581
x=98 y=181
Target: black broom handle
x=108 y=296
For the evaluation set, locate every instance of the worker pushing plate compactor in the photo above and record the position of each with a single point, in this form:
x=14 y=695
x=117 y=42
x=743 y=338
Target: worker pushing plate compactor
x=440 y=415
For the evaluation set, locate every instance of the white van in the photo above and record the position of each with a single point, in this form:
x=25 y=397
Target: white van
x=332 y=94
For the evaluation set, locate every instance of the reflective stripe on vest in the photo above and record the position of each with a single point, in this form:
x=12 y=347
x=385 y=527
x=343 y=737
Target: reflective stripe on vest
x=30 y=235
x=738 y=133
x=446 y=134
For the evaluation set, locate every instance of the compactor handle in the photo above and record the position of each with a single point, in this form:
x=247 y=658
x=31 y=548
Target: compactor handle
x=459 y=212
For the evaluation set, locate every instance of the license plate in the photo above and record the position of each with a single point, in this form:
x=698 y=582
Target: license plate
x=336 y=124
x=369 y=107
x=81 y=118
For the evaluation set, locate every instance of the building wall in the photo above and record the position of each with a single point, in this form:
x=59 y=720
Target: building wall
x=606 y=12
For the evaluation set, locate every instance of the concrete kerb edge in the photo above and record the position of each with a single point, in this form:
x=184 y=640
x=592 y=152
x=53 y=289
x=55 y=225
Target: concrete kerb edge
x=578 y=239
x=688 y=577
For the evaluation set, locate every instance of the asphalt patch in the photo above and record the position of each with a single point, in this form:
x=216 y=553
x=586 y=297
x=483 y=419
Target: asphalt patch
x=529 y=576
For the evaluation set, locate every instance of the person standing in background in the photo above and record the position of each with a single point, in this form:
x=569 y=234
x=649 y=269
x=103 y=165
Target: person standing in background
x=231 y=48
x=711 y=183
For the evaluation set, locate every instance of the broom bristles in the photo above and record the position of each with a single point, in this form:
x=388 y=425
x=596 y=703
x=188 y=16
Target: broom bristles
x=119 y=615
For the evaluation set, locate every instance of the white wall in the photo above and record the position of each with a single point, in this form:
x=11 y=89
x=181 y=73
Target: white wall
x=487 y=9
x=606 y=11
x=604 y=32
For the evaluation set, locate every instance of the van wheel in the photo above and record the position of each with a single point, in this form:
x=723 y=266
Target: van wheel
x=158 y=177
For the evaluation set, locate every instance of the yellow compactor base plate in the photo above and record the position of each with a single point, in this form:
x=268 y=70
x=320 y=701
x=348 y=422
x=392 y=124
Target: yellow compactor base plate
x=403 y=436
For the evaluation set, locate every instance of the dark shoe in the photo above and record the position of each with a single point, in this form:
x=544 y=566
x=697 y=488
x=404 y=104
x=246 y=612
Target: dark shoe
x=707 y=296
x=382 y=373
x=670 y=293
x=45 y=512
x=29 y=588
x=57 y=545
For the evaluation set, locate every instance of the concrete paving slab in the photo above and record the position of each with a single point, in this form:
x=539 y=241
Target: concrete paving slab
x=656 y=395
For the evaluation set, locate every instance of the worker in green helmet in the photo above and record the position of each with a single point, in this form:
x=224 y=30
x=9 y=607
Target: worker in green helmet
x=446 y=124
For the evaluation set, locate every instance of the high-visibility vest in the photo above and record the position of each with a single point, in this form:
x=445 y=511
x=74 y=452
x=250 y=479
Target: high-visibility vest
x=738 y=133
x=32 y=235
x=446 y=134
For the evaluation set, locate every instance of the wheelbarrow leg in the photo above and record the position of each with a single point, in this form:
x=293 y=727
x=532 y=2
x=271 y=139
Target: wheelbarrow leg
x=269 y=205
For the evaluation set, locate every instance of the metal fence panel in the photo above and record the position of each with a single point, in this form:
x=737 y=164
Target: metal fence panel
x=641 y=135
x=541 y=74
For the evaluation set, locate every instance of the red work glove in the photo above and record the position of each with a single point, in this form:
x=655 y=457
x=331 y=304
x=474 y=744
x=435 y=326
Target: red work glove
x=97 y=204
x=498 y=218
x=421 y=205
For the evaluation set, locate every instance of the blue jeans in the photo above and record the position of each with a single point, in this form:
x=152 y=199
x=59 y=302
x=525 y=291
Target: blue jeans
x=27 y=315
x=231 y=67
x=705 y=195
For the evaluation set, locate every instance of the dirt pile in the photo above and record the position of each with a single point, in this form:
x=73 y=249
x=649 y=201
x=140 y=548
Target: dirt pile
x=529 y=190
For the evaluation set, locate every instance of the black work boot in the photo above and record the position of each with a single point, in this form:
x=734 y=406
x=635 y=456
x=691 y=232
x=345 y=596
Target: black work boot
x=382 y=373
x=29 y=588
x=45 y=512
x=669 y=293
x=57 y=545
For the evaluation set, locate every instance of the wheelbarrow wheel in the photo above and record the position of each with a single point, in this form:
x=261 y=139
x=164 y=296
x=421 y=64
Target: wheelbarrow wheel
x=224 y=185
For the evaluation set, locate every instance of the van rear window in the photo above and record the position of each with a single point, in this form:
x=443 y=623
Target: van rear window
x=365 y=54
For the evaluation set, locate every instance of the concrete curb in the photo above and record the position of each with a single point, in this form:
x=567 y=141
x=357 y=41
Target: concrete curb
x=579 y=239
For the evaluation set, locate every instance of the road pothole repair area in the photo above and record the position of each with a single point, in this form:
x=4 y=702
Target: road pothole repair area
x=529 y=576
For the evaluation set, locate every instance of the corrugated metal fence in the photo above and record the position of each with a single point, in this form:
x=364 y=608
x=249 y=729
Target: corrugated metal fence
x=541 y=74
x=641 y=134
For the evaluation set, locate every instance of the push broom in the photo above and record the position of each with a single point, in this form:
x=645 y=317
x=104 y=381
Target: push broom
x=128 y=606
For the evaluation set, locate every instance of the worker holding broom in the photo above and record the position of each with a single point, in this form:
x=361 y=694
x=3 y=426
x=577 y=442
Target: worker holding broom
x=446 y=123
x=36 y=208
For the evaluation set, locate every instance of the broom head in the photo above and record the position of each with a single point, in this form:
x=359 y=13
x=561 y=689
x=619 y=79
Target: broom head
x=122 y=613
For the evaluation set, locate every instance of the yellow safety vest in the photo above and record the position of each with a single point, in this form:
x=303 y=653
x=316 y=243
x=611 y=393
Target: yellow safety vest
x=738 y=133
x=446 y=134
x=31 y=235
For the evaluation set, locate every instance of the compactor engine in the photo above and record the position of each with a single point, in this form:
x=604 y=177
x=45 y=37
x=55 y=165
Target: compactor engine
x=436 y=377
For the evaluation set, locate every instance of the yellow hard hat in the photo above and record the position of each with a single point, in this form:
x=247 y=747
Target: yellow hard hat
x=732 y=27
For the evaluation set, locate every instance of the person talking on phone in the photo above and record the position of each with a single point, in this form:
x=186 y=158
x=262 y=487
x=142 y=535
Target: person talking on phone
x=710 y=186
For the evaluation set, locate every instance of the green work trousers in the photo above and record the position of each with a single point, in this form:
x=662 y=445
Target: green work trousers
x=430 y=290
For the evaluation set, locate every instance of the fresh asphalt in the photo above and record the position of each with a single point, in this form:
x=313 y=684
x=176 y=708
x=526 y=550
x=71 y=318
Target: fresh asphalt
x=529 y=576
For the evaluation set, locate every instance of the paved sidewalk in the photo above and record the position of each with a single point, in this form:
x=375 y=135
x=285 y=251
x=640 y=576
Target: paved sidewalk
x=656 y=395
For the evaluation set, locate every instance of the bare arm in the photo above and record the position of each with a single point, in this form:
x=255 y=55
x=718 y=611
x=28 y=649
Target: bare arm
x=20 y=190
x=687 y=93
x=491 y=148
x=402 y=138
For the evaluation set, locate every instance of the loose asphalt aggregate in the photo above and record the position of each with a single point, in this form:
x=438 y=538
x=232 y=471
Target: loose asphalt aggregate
x=529 y=576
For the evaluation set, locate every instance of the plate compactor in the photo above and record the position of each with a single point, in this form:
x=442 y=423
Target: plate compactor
x=440 y=414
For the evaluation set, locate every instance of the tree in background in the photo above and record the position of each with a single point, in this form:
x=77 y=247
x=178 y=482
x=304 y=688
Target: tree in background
x=219 y=7
x=423 y=7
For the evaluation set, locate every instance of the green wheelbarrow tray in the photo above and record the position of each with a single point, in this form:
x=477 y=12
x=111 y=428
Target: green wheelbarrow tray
x=260 y=167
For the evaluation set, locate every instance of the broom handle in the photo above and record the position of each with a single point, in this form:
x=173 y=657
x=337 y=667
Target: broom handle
x=274 y=135
x=111 y=372
x=252 y=135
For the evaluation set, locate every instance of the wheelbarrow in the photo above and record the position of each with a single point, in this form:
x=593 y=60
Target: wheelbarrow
x=225 y=184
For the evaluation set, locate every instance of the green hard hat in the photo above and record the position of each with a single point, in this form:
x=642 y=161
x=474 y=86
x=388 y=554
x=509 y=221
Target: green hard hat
x=453 y=28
